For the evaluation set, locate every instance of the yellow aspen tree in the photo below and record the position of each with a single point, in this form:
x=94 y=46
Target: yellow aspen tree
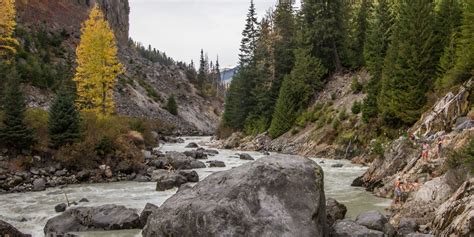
x=98 y=66
x=7 y=26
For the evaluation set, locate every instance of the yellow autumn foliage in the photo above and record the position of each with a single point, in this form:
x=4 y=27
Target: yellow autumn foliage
x=98 y=66
x=7 y=26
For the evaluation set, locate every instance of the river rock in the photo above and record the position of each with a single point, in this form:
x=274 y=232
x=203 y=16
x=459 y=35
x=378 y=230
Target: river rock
x=10 y=231
x=211 y=152
x=245 y=156
x=198 y=154
x=167 y=180
x=255 y=199
x=149 y=208
x=192 y=145
x=407 y=226
x=372 y=219
x=39 y=184
x=84 y=200
x=60 y=207
x=142 y=178
x=181 y=161
x=190 y=175
x=83 y=175
x=334 y=211
x=349 y=228
x=216 y=163
x=184 y=187
x=455 y=217
x=106 y=217
x=337 y=165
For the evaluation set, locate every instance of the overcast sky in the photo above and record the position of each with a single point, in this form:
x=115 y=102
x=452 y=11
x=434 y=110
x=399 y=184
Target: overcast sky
x=182 y=27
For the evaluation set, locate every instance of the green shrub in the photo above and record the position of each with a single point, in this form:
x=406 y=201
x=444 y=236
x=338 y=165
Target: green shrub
x=465 y=157
x=172 y=106
x=356 y=107
x=342 y=115
x=336 y=123
x=356 y=86
x=378 y=149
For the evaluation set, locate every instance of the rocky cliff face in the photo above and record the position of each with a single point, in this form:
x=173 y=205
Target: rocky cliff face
x=145 y=87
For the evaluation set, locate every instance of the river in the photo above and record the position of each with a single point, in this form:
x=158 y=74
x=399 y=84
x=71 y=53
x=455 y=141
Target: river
x=38 y=207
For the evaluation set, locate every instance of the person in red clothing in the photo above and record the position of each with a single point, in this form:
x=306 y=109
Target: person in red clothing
x=425 y=151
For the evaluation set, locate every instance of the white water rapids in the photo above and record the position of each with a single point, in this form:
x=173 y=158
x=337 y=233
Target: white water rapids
x=38 y=207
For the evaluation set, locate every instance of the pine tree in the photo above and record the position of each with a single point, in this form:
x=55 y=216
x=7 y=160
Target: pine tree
x=98 y=66
x=361 y=32
x=448 y=20
x=14 y=133
x=64 y=120
x=296 y=91
x=463 y=67
x=375 y=49
x=409 y=65
x=250 y=37
x=8 y=43
x=172 y=106
x=324 y=23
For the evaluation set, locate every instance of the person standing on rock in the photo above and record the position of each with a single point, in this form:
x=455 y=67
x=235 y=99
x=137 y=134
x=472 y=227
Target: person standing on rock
x=398 y=191
x=439 y=147
x=425 y=151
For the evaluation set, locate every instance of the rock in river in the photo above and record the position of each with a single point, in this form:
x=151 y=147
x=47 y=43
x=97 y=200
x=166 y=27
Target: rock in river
x=167 y=180
x=245 y=156
x=348 y=228
x=149 y=208
x=106 y=217
x=255 y=199
x=39 y=184
x=334 y=211
x=8 y=230
x=216 y=163
x=192 y=145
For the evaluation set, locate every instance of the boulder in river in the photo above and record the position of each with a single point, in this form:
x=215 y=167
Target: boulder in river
x=60 y=207
x=149 y=208
x=349 y=228
x=191 y=175
x=167 y=180
x=334 y=211
x=274 y=196
x=245 y=156
x=180 y=161
x=192 y=145
x=39 y=184
x=216 y=163
x=198 y=154
x=338 y=165
x=106 y=217
x=372 y=219
x=10 y=231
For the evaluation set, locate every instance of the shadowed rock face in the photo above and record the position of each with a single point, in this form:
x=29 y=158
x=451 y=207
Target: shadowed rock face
x=273 y=196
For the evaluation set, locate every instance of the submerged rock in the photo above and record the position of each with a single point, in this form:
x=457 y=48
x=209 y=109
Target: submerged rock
x=60 y=207
x=192 y=145
x=255 y=199
x=216 y=163
x=245 y=156
x=10 y=231
x=106 y=217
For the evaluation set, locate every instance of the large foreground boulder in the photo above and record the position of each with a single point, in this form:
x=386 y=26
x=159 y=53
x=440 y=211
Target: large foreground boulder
x=274 y=196
x=106 y=217
x=8 y=230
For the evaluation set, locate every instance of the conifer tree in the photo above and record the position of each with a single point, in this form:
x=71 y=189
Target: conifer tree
x=250 y=37
x=463 y=67
x=296 y=91
x=13 y=132
x=324 y=23
x=361 y=32
x=172 y=106
x=64 y=120
x=448 y=19
x=8 y=43
x=375 y=49
x=409 y=66
x=202 y=73
x=98 y=66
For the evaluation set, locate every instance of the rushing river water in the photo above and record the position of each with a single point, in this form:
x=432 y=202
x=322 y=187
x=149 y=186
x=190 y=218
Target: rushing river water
x=38 y=207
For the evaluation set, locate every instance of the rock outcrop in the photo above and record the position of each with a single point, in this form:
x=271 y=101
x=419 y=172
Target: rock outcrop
x=255 y=199
x=455 y=217
x=10 y=231
x=106 y=217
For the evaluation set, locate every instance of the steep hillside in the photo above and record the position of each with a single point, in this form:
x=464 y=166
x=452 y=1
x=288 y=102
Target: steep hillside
x=141 y=92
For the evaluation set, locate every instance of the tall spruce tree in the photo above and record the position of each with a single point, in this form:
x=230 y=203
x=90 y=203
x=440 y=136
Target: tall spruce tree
x=325 y=24
x=361 y=33
x=463 y=67
x=238 y=99
x=409 y=66
x=448 y=20
x=202 y=72
x=13 y=132
x=297 y=89
x=64 y=120
x=375 y=49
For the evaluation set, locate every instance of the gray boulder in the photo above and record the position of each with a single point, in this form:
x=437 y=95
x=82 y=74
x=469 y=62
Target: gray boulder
x=245 y=156
x=39 y=184
x=337 y=165
x=192 y=145
x=180 y=161
x=167 y=180
x=334 y=211
x=349 y=228
x=83 y=175
x=198 y=154
x=10 y=231
x=106 y=217
x=407 y=226
x=190 y=175
x=216 y=163
x=149 y=208
x=255 y=199
x=372 y=219
x=60 y=207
